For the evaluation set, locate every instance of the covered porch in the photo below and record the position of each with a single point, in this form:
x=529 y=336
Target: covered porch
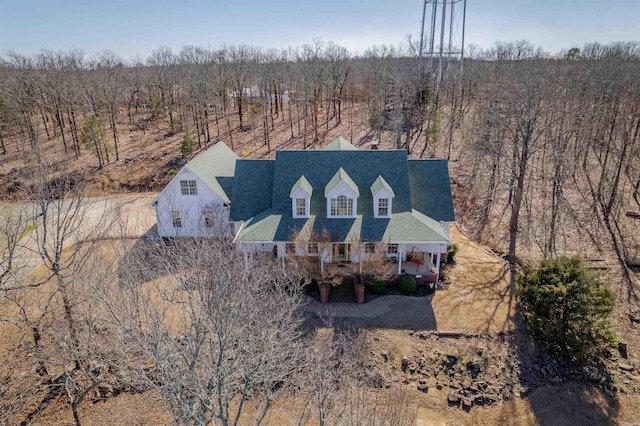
x=391 y=260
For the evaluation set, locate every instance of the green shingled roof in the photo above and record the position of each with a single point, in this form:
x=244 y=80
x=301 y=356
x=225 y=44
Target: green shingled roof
x=422 y=195
x=431 y=189
x=303 y=184
x=252 y=188
x=217 y=161
x=340 y=176
x=401 y=227
x=379 y=184
x=340 y=144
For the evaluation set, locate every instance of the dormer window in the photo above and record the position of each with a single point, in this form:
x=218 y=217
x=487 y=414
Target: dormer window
x=342 y=206
x=301 y=198
x=342 y=196
x=382 y=198
x=383 y=207
x=301 y=207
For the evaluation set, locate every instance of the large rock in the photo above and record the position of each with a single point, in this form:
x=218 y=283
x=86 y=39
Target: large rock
x=467 y=403
x=423 y=387
x=405 y=363
x=625 y=367
x=453 y=398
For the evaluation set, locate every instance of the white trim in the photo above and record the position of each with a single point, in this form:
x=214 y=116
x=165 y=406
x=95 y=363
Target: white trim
x=384 y=193
x=300 y=194
x=342 y=189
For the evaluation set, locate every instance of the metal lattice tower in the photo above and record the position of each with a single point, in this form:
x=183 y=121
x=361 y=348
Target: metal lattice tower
x=444 y=38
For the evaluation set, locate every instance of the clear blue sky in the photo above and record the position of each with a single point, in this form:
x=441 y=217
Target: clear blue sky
x=131 y=27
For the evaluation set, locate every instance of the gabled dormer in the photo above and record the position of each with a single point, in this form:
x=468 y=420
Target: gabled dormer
x=342 y=196
x=382 y=198
x=301 y=198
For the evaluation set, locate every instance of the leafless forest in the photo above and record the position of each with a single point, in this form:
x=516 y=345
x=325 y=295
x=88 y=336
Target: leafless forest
x=544 y=157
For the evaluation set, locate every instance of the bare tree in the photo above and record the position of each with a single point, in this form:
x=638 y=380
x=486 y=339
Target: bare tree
x=222 y=342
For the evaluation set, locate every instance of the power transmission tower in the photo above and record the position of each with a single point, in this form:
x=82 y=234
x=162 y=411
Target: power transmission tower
x=444 y=39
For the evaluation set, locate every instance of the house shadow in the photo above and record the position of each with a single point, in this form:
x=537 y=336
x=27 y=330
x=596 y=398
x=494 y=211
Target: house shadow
x=559 y=392
x=391 y=312
x=146 y=260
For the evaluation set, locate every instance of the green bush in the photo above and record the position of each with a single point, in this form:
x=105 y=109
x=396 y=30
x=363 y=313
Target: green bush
x=452 y=249
x=379 y=287
x=407 y=284
x=188 y=144
x=567 y=307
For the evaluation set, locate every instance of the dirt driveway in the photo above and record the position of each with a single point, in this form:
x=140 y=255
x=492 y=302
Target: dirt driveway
x=479 y=298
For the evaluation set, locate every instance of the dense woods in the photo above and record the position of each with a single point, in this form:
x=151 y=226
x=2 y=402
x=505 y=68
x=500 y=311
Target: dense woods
x=544 y=157
x=553 y=139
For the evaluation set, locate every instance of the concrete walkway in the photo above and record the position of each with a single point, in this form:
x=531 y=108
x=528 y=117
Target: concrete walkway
x=391 y=311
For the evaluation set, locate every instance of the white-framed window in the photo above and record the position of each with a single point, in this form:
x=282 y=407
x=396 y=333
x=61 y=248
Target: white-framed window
x=175 y=219
x=392 y=249
x=188 y=187
x=301 y=206
x=290 y=248
x=312 y=248
x=341 y=206
x=383 y=207
x=370 y=248
x=208 y=218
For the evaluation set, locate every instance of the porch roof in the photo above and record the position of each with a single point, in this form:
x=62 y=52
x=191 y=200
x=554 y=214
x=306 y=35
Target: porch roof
x=402 y=227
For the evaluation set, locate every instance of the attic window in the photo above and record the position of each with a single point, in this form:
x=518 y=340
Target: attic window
x=301 y=207
x=383 y=207
x=188 y=187
x=341 y=206
x=342 y=196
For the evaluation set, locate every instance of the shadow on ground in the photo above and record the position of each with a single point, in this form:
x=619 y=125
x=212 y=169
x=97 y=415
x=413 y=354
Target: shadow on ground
x=391 y=311
x=559 y=392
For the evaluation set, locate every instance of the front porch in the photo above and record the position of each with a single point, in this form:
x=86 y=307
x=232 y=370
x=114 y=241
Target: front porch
x=413 y=265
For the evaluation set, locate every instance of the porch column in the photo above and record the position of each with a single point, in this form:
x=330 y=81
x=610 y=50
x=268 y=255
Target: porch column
x=399 y=259
x=284 y=272
x=438 y=265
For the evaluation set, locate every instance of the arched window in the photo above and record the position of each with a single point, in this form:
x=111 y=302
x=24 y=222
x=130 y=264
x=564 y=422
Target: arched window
x=342 y=206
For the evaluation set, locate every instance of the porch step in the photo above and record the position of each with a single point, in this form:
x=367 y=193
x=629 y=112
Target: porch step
x=344 y=292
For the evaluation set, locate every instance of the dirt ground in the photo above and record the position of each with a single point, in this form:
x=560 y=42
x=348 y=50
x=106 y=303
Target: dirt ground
x=479 y=298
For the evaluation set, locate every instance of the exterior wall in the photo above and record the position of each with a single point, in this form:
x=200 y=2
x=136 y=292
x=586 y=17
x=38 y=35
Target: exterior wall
x=342 y=189
x=191 y=208
x=256 y=247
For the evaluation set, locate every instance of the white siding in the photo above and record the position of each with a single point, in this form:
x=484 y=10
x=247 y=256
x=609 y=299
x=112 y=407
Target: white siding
x=191 y=208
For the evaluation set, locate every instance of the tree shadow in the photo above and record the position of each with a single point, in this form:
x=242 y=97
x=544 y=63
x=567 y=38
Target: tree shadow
x=500 y=300
x=389 y=312
x=558 y=391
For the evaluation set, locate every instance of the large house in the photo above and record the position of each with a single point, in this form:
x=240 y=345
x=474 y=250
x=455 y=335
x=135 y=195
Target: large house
x=340 y=204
